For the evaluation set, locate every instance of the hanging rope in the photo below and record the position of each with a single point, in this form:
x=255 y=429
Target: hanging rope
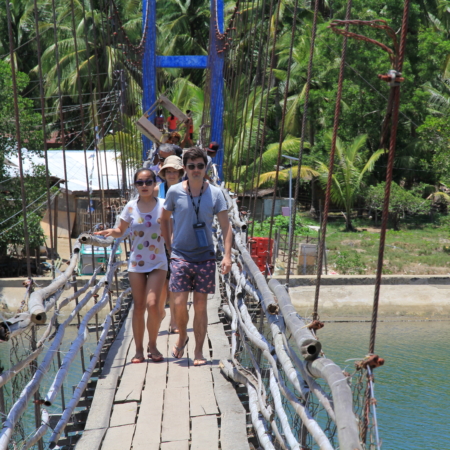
x=269 y=82
x=281 y=139
x=303 y=133
x=18 y=138
x=337 y=111
x=395 y=90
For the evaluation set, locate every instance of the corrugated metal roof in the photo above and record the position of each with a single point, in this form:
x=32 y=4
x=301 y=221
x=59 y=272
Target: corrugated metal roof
x=110 y=171
x=259 y=192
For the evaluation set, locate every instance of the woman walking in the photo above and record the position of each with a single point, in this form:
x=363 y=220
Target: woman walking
x=172 y=123
x=171 y=172
x=147 y=265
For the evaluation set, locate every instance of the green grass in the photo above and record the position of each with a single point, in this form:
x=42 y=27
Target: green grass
x=417 y=249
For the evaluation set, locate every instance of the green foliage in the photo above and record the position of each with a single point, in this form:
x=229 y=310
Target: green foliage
x=281 y=223
x=351 y=166
x=35 y=182
x=402 y=202
x=349 y=263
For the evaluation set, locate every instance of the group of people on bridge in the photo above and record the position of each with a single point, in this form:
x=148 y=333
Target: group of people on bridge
x=172 y=249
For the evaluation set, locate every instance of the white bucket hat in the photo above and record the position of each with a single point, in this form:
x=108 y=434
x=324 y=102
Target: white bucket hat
x=174 y=162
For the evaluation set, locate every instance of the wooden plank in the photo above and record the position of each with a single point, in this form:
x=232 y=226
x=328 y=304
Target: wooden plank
x=131 y=382
x=91 y=439
x=123 y=414
x=118 y=438
x=219 y=342
x=205 y=433
x=201 y=391
x=149 y=130
x=175 y=426
x=177 y=445
x=233 y=429
x=172 y=108
x=213 y=314
x=148 y=427
x=100 y=410
x=178 y=368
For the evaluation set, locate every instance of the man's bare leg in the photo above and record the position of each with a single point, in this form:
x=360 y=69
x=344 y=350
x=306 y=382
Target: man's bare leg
x=200 y=326
x=181 y=318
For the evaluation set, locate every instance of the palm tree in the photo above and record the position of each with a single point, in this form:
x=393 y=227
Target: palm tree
x=350 y=168
x=268 y=160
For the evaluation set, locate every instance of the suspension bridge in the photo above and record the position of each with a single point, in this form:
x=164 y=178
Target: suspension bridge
x=267 y=383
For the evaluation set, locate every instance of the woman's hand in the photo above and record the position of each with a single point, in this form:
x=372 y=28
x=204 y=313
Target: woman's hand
x=106 y=233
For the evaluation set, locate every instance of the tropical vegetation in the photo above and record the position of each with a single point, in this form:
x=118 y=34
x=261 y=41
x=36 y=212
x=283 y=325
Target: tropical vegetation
x=88 y=56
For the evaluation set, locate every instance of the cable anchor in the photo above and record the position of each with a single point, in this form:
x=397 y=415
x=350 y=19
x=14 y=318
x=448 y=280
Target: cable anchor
x=393 y=77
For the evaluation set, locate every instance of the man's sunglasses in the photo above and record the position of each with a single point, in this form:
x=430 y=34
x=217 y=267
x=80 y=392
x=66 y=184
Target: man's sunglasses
x=200 y=166
x=147 y=182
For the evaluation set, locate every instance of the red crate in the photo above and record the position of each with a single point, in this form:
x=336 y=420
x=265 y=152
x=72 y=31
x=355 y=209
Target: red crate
x=263 y=247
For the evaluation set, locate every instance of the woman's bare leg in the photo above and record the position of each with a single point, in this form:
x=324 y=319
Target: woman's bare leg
x=138 y=282
x=155 y=284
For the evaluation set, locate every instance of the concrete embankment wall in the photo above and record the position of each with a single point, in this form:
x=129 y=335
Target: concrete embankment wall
x=341 y=296
x=419 y=297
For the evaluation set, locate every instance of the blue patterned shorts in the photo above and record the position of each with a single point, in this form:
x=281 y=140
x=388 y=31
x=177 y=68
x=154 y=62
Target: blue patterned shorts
x=192 y=276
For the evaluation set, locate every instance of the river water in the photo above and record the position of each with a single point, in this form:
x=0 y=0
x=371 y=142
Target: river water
x=73 y=377
x=412 y=388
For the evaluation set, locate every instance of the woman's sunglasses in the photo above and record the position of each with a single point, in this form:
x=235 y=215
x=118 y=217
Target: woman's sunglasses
x=147 y=182
x=200 y=166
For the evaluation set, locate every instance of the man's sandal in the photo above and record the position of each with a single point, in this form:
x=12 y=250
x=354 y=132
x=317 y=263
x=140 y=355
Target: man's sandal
x=179 y=350
x=200 y=362
x=137 y=359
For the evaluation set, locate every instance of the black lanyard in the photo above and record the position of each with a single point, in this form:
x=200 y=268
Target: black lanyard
x=196 y=208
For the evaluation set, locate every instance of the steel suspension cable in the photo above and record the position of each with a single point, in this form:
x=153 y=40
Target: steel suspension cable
x=258 y=64
x=303 y=132
x=247 y=98
x=283 y=117
x=337 y=112
x=261 y=143
x=18 y=138
x=235 y=87
x=393 y=138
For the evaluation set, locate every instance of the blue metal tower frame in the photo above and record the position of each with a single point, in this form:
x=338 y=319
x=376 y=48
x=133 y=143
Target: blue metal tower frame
x=214 y=61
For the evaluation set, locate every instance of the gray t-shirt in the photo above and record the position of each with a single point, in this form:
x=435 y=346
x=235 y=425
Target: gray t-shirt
x=178 y=201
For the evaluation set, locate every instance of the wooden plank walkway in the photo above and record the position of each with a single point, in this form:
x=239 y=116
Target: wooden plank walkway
x=168 y=405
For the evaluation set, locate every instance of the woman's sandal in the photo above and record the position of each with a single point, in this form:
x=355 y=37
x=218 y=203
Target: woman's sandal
x=179 y=350
x=173 y=330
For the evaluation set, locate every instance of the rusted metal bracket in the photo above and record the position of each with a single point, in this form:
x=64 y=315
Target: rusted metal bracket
x=393 y=77
x=377 y=24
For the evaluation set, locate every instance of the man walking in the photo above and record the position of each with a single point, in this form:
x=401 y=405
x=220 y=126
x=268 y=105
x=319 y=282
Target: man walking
x=193 y=204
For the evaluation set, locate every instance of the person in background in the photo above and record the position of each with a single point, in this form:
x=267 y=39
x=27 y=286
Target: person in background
x=172 y=123
x=147 y=267
x=171 y=171
x=193 y=204
x=211 y=152
x=159 y=120
x=190 y=126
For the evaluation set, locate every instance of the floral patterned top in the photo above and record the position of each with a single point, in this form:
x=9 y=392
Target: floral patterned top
x=147 y=244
